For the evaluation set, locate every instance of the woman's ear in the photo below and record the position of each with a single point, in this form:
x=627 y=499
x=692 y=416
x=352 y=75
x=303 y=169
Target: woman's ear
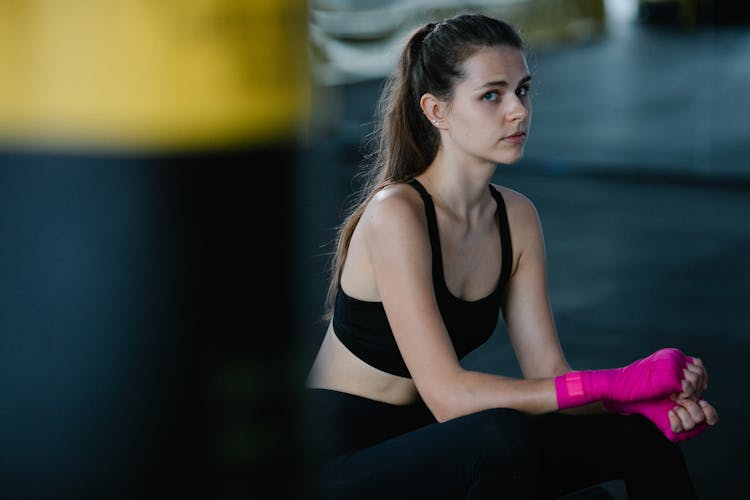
x=434 y=109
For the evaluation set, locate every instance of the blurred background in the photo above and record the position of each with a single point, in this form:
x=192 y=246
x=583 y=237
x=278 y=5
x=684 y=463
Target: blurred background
x=170 y=177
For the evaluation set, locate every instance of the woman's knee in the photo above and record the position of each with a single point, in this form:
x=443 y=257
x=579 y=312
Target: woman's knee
x=641 y=446
x=640 y=433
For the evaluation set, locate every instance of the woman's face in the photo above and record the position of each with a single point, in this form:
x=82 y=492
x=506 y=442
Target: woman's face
x=490 y=112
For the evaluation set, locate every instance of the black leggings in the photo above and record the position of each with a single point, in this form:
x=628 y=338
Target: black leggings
x=364 y=449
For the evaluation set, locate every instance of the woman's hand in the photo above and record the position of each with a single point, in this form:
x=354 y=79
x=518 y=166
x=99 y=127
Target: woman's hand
x=688 y=414
x=678 y=418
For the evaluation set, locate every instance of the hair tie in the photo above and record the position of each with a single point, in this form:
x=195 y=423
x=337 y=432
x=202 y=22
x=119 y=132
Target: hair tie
x=429 y=29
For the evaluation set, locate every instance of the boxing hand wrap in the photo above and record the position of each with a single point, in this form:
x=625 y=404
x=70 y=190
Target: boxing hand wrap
x=655 y=376
x=657 y=411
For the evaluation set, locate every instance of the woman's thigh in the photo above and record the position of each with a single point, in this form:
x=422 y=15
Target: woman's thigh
x=479 y=456
x=375 y=450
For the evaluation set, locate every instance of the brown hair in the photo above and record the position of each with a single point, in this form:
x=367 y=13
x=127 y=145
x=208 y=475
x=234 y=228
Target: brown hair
x=403 y=143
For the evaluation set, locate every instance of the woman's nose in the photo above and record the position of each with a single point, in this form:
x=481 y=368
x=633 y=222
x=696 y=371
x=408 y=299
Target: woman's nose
x=518 y=109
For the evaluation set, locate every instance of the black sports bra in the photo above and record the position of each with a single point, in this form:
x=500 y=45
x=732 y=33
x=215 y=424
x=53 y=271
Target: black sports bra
x=362 y=326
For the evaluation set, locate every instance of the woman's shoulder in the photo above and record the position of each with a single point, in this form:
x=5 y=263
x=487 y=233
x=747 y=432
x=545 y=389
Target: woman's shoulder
x=395 y=203
x=394 y=218
x=517 y=204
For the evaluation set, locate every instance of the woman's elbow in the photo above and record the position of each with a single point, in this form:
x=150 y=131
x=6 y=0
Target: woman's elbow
x=443 y=400
x=442 y=411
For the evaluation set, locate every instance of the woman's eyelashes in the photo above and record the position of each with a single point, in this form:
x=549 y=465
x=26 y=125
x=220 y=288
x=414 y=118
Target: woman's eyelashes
x=491 y=96
x=494 y=95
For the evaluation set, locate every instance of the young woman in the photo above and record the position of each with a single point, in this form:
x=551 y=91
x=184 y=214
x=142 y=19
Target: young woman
x=426 y=261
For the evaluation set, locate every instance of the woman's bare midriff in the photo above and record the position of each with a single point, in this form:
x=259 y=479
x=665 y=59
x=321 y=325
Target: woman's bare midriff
x=337 y=368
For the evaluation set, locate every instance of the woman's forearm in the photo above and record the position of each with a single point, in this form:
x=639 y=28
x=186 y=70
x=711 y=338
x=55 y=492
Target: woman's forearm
x=473 y=391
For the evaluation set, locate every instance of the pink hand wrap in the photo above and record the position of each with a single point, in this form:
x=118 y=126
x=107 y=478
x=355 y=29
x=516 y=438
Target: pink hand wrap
x=655 y=376
x=657 y=411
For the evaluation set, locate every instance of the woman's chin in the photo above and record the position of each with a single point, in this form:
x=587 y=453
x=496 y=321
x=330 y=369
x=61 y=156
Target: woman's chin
x=509 y=159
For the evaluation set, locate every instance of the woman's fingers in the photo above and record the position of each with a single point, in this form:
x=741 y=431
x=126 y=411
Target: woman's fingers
x=689 y=383
x=674 y=421
x=688 y=413
x=712 y=416
x=686 y=420
x=696 y=379
x=698 y=368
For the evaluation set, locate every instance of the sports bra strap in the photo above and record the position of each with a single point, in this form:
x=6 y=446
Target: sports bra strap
x=432 y=228
x=504 y=225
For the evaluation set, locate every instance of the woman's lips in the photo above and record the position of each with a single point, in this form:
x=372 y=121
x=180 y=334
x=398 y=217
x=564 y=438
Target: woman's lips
x=518 y=138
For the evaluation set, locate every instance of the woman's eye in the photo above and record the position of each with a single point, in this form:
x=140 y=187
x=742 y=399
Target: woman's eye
x=490 y=96
x=522 y=91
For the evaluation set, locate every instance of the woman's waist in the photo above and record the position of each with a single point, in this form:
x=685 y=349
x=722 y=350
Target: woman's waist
x=383 y=388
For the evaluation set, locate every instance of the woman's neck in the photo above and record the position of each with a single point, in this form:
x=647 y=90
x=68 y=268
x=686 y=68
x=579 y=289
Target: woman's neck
x=461 y=188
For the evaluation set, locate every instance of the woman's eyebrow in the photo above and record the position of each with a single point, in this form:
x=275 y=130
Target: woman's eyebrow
x=503 y=83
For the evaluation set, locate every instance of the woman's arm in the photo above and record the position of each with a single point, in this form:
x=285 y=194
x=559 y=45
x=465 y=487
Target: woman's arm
x=527 y=311
x=534 y=337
